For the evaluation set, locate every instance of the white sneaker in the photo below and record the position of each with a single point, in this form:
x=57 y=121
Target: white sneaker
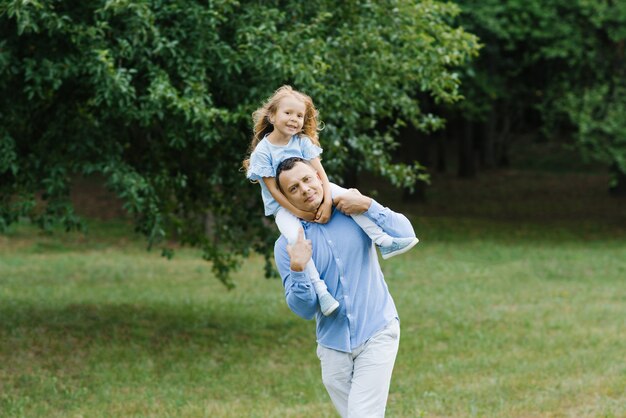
x=398 y=246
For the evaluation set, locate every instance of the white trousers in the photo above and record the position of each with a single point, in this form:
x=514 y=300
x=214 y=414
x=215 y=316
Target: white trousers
x=358 y=382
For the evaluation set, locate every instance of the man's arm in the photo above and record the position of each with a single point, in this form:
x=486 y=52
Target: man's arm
x=291 y=261
x=393 y=223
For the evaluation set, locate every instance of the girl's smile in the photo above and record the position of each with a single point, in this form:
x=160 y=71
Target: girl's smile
x=287 y=120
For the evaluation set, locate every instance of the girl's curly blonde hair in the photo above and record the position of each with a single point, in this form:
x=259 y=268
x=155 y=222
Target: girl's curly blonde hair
x=263 y=126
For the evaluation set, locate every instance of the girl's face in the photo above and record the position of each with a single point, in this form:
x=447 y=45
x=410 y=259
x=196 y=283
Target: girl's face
x=288 y=119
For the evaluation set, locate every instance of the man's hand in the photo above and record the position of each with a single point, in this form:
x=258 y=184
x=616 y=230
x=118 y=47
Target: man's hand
x=323 y=212
x=300 y=252
x=352 y=202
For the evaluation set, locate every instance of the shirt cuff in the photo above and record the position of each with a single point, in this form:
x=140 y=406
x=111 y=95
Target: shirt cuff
x=299 y=276
x=376 y=212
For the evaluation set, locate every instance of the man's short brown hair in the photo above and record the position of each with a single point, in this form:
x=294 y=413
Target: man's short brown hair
x=286 y=165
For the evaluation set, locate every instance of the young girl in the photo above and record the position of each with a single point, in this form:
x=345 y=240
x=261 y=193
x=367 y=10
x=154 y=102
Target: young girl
x=286 y=126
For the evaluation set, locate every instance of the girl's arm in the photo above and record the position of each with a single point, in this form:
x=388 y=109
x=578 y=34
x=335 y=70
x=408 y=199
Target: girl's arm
x=270 y=182
x=323 y=213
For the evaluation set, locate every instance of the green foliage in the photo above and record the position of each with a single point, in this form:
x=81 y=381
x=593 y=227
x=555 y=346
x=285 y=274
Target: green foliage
x=600 y=113
x=157 y=96
x=562 y=59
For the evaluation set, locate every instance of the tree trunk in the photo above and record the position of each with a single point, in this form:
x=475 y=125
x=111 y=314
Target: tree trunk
x=467 y=154
x=502 y=143
x=414 y=146
x=490 y=129
x=209 y=226
x=350 y=175
x=441 y=154
x=488 y=157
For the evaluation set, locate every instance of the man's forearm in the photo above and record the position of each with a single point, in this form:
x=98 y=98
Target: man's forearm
x=393 y=223
x=300 y=295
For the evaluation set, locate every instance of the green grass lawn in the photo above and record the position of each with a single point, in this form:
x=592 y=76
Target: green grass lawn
x=523 y=317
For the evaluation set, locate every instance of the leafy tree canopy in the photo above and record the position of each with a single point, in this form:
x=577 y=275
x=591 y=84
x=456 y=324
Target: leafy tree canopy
x=563 y=59
x=157 y=96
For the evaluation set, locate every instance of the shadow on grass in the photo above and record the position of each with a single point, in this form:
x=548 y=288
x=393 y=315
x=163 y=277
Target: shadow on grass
x=143 y=328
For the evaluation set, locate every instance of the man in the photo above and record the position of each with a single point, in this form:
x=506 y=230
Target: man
x=357 y=345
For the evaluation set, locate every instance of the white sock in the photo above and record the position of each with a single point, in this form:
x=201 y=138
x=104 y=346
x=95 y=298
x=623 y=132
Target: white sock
x=319 y=286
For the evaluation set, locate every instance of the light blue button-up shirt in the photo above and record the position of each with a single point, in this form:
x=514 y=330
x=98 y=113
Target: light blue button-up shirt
x=347 y=261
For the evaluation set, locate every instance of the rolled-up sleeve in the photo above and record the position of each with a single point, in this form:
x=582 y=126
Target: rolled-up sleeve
x=393 y=223
x=299 y=292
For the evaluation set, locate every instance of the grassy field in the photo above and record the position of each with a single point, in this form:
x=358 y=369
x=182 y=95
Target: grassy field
x=513 y=307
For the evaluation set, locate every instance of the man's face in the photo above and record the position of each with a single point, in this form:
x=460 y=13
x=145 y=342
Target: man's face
x=302 y=187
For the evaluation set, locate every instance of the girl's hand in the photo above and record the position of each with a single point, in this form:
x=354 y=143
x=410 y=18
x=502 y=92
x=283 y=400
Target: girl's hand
x=352 y=202
x=323 y=212
x=306 y=216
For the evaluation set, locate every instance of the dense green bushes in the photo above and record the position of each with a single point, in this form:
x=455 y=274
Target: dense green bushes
x=561 y=61
x=157 y=96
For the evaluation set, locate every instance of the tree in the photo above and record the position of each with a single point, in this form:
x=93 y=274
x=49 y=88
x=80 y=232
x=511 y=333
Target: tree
x=594 y=99
x=558 y=60
x=157 y=96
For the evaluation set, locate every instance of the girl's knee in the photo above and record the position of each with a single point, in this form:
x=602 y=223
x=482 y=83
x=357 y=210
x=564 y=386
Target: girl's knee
x=336 y=190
